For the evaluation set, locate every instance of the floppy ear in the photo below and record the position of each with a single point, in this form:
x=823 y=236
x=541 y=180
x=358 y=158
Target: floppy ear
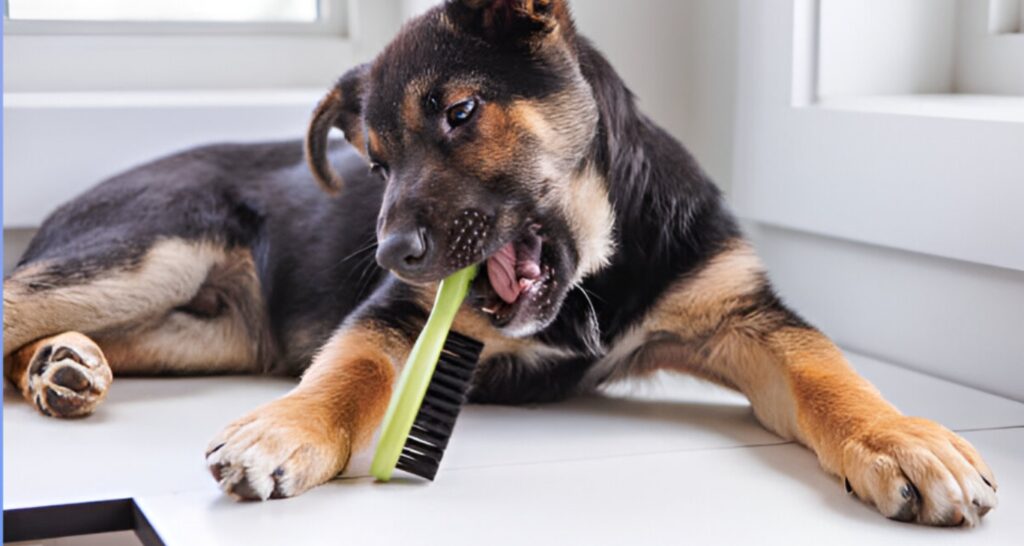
x=510 y=20
x=342 y=108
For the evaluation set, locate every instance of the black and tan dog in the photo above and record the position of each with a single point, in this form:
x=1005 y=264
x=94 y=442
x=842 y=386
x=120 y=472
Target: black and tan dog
x=495 y=134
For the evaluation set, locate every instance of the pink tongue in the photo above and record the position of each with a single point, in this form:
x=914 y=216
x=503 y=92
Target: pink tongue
x=501 y=270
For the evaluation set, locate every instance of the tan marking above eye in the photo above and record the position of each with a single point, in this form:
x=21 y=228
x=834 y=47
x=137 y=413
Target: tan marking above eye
x=412 y=112
x=373 y=143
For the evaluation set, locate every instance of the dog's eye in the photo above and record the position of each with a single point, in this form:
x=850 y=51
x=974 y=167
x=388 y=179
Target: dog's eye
x=379 y=169
x=458 y=114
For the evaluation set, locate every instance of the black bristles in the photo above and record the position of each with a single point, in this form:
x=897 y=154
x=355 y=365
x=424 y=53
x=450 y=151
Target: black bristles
x=445 y=396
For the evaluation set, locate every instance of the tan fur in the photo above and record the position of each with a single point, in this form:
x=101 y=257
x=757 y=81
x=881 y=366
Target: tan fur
x=374 y=145
x=591 y=220
x=179 y=343
x=581 y=194
x=494 y=149
x=169 y=275
x=801 y=387
x=691 y=309
x=412 y=113
x=310 y=433
x=129 y=311
x=705 y=297
x=233 y=342
x=471 y=323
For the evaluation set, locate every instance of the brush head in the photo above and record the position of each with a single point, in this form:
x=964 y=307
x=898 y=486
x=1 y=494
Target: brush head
x=423 y=449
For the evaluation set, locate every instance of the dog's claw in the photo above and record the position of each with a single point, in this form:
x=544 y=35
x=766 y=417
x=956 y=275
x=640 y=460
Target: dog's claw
x=910 y=508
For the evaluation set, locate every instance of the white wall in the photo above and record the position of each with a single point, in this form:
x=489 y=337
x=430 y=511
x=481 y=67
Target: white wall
x=678 y=56
x=948 y=318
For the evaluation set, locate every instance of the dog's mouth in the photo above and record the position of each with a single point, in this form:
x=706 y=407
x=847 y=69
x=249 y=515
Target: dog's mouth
x=516 y=278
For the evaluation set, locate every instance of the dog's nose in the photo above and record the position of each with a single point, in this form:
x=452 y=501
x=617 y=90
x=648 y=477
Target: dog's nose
x=403 y=252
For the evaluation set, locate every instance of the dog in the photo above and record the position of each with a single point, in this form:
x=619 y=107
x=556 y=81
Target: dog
x=487 y=132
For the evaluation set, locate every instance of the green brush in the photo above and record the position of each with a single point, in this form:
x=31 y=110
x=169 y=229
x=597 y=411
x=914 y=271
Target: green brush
x=431 y=390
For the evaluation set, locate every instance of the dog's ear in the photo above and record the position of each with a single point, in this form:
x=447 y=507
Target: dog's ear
x=510 y=20
x=342 y=108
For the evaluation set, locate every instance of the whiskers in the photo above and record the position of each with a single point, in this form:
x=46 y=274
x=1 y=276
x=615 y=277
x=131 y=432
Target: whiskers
x=367 y=248
x=365 y=265
x=591 y=334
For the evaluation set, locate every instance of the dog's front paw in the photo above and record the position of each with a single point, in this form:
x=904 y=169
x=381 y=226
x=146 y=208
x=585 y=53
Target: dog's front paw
x=68 y=376
x=279 y=450
x=917 y=470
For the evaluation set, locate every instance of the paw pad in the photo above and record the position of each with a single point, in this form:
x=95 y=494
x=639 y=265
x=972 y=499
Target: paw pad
x=68 y=378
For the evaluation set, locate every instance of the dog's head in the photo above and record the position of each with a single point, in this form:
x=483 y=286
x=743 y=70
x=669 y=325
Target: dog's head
x=479 y=121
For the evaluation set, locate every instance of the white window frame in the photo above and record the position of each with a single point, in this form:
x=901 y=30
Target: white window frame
x=62 y=56
x=332 y=20
x=799 y=162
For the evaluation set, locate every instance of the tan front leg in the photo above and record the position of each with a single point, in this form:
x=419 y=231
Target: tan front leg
x=725 y=324
x=911 y=469
x=306 y=437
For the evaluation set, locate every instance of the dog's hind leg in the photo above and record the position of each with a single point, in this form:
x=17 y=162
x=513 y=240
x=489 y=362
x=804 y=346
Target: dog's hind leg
x=97 y=291
x=178 y=306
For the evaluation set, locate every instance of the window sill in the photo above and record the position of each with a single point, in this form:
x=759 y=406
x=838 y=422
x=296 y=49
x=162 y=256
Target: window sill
x=1004 y=108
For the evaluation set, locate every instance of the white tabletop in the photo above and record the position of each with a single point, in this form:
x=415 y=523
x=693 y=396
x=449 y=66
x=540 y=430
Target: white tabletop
x=669 y=461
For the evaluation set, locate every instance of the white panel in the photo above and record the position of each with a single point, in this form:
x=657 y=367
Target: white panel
x=988 y=62
x=949 y=187
x=885 y=47
x=952 y=319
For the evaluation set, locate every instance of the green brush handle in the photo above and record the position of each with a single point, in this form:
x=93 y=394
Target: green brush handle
x=419 y=369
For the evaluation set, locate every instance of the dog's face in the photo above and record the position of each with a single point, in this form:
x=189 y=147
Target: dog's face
x=479 y=121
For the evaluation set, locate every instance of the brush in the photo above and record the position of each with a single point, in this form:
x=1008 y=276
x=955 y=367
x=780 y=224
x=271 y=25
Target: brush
x=431 y=389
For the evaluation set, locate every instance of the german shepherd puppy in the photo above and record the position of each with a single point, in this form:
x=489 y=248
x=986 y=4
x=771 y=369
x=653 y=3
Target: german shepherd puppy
x=494 y=134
